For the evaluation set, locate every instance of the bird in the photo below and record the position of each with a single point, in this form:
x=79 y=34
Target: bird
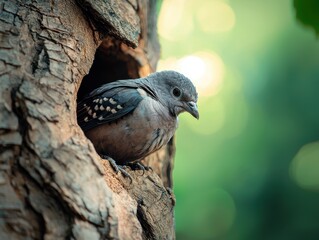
x=127 y=120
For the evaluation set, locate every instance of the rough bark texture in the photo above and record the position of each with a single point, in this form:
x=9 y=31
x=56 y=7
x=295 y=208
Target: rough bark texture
x=53 y=185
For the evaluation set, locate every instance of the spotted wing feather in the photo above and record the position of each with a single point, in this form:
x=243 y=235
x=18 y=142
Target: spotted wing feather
x=108 y=104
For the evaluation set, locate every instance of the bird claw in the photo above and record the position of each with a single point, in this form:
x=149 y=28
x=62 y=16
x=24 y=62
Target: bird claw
x=139 y=166
x=117 y=168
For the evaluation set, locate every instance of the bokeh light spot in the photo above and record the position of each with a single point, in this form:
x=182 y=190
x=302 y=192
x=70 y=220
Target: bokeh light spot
x=212 y=117
x=305 y=166
x=215 y=16
x=219 y=214
x=174 y=24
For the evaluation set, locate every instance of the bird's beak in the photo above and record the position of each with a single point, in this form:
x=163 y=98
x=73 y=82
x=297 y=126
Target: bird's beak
x=192 y=108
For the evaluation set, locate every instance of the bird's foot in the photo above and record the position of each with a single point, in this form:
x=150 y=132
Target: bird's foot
x=117 y=168
x=139 y=166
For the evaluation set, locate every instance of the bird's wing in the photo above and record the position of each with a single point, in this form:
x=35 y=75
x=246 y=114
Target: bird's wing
x=108 y=103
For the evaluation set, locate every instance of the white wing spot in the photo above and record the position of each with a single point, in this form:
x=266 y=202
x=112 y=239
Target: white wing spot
x=113 y=111
x=86 y=119
x=119 y=107
x=142 y=92
x=101 y=118
x=101 y=100
x=90 y=112
x=102 y=108
x=95 y=100
x=105 y=99
x=108 y=109
x=96 y=107
x=112 y=101
x=94 y=115
x=84 y=105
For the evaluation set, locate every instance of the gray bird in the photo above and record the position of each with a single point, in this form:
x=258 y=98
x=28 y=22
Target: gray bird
x=127 y=120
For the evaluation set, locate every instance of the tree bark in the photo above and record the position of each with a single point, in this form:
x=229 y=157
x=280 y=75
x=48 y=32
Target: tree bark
x=53 y=185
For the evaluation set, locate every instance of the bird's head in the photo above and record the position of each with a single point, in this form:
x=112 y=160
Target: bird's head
x=175 y=91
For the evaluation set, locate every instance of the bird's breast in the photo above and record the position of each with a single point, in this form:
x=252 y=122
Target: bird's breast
x=135 y=136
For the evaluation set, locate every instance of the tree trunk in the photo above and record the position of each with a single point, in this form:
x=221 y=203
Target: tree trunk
x=53 y=185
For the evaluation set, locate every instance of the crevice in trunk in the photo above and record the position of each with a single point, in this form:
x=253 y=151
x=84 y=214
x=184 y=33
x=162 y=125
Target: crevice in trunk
x=110 y=64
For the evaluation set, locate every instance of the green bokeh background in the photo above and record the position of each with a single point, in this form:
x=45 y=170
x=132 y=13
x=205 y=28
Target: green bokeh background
x=249 y=168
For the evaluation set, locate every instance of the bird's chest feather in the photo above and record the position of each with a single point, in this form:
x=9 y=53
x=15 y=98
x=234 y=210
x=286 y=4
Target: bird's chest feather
x=149 y=127
x=151 y=123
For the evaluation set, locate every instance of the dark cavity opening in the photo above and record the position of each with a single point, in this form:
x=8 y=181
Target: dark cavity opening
x=110 y=64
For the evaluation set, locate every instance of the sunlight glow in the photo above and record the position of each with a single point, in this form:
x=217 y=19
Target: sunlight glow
x=215 y=16
x=173 y=22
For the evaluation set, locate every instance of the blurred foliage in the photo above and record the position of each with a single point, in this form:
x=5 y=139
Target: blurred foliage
x=307 y=13
x=248 y=169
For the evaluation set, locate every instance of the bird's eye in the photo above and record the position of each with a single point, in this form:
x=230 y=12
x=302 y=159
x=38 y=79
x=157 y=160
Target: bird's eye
x=176 y=92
